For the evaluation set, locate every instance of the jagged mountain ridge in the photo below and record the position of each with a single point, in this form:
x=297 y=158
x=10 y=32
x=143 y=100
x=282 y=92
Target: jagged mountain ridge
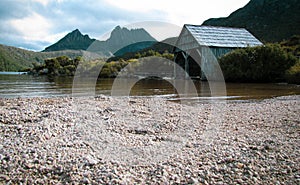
x=76 y=44
x=119 y=38
x=269 y=20
x=74 y=40
x=127 y=37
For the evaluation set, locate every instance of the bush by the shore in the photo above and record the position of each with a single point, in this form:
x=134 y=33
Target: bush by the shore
x=65 y=66
x=293 y=74
x=267 y=63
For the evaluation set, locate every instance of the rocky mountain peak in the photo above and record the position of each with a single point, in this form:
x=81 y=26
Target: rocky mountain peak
x=74 y=40
x=119 y=38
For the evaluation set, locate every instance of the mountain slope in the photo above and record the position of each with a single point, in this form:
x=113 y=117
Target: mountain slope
x=72 y=41
x=134 y=47
x=16 y=59
x=119 y=38
x=75 y=44
x=269 y=20
x=166 y=45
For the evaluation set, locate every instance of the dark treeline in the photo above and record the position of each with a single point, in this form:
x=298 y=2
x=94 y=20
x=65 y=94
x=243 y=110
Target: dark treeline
x=268 y=63
x=65 y=66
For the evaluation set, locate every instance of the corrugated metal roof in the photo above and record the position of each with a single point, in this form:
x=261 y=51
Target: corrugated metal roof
x=212 y=36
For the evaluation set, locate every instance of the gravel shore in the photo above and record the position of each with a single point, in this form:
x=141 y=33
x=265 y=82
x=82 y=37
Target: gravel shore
x=111 y=140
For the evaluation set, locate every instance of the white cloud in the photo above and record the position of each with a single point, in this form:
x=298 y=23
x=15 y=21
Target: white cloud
x=43 y=2
x=181 y=12
x=159 y=30
x=43 y=22
x=52 y=38
x=46 y=2
x=33 y=27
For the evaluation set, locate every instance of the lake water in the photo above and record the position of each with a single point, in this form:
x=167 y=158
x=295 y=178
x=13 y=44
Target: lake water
x=41 y=86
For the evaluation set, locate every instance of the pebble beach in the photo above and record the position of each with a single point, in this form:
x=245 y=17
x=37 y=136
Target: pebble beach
x=114 y=140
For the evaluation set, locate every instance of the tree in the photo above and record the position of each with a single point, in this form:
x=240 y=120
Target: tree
x=257 y=64
x=293 y=73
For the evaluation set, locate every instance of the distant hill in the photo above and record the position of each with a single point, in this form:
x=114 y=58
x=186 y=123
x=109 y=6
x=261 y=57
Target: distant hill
x=119 y=38
x=16 y=59
x=76 y=44
x=166 y=45
x=135 y=47
x=72 y=41
x=268 y=20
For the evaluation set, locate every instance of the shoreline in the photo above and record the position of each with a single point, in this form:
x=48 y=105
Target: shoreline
x=110 y=140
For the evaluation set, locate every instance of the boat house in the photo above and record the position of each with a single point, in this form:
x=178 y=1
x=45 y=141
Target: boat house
x=196 y=43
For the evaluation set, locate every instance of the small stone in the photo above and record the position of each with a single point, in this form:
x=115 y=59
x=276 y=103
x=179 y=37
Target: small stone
x=239 y=165
x=85 y=181
x=4 y=177
x=192 y=181
x=240 y=181
x=90 y=160
x=228 y=160
x=267 y=147
x=29 y=165
x=189 y=145
x=47 y=136
x=253 y=147
x=244 y=149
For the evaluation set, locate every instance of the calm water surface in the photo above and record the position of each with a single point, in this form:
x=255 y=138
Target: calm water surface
x=41 y=86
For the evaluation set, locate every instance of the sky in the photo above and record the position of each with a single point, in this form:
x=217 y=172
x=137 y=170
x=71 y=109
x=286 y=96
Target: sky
x=36 y=24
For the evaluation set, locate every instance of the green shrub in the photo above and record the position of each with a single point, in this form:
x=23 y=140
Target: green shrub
x=168 y=55
x=59 y=66
x=70 y=70
x=293 y=74
x=65 y=66
x=257 y=64
x=105 y=72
